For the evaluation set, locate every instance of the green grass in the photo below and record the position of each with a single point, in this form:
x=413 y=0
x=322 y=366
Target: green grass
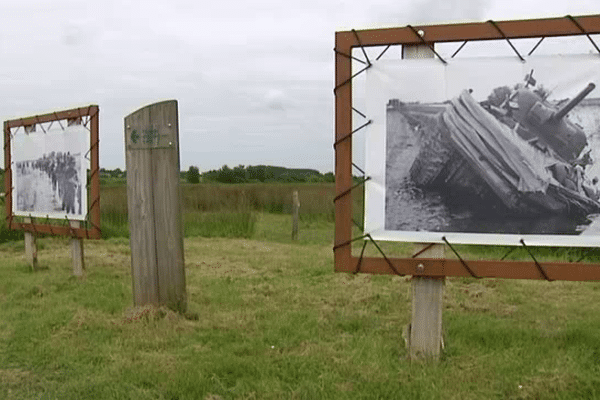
x=275 y=322
x=273 y=319
x=219 y=224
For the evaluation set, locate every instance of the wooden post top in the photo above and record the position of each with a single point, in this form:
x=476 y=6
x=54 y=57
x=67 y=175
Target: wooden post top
x=152 y=127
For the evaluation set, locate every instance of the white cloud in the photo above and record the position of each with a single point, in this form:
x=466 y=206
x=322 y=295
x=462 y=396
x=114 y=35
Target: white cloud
x=275 y=99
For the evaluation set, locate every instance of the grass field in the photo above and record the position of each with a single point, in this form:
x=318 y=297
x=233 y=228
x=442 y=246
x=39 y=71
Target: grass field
x=218 y=210
x=222 y=210
x=275 y=322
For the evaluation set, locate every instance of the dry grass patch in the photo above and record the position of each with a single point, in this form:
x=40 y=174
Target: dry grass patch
x=14 y=376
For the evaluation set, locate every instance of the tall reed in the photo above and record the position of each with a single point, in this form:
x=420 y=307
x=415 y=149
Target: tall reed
x=226 y=210
x=223 y=210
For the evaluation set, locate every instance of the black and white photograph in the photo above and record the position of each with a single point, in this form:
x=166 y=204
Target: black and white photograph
x=49 y=172
x=485 y=151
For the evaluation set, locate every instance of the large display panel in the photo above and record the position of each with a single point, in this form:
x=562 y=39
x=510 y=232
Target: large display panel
x=51 y=179
x=484 y=150
x=512 y=184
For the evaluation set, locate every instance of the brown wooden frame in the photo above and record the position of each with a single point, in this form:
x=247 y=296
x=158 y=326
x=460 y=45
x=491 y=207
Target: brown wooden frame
x=93 y=229
x=344 y=43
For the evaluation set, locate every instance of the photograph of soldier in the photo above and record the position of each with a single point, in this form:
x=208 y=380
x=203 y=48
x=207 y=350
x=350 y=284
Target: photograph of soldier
x=49 y=175
x=50 y=184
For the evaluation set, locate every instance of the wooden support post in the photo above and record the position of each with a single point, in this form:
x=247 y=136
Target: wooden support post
x=154 y=206
x=425 y=338
x=295 y=214
x=77 y=252
x=31 y=247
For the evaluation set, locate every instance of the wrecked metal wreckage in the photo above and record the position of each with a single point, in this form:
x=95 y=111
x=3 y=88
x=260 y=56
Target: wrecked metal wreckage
x=516 y=152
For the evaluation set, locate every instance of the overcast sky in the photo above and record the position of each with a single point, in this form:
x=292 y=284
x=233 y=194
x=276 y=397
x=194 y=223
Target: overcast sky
x=254 y=79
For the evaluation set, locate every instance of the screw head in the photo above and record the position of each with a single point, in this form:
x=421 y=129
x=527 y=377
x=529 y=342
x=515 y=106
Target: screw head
x=420 y=268
x=421 y=32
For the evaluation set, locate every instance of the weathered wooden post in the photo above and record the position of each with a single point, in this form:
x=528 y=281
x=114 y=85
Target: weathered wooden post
x=425 y=339
x=154 y=206
x=76 y=243
x=77 y=251
x=30 y=238
x=295 y=214
x=30 y=247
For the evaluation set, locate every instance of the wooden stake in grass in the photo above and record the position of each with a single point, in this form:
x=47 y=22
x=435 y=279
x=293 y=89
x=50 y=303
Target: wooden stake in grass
x=77 y=251
x=30 y=247
x=425 y=336
x=154 y=206
x=295 y=214
x=76 y=243
x=425 y=331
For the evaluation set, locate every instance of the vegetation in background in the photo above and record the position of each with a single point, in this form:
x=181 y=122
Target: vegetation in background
x=193 y=175
x=215 y=209
x=112 y=177
x=222 y=210
x=239 y=174
x=265 y=173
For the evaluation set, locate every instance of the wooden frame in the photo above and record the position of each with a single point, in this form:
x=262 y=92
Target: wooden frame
x=92 y=231
x=344 y=43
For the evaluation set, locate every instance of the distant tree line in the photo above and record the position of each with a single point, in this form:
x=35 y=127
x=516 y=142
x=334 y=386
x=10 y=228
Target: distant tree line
x=113 y=173
x=258 y=173
x=239 y=174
